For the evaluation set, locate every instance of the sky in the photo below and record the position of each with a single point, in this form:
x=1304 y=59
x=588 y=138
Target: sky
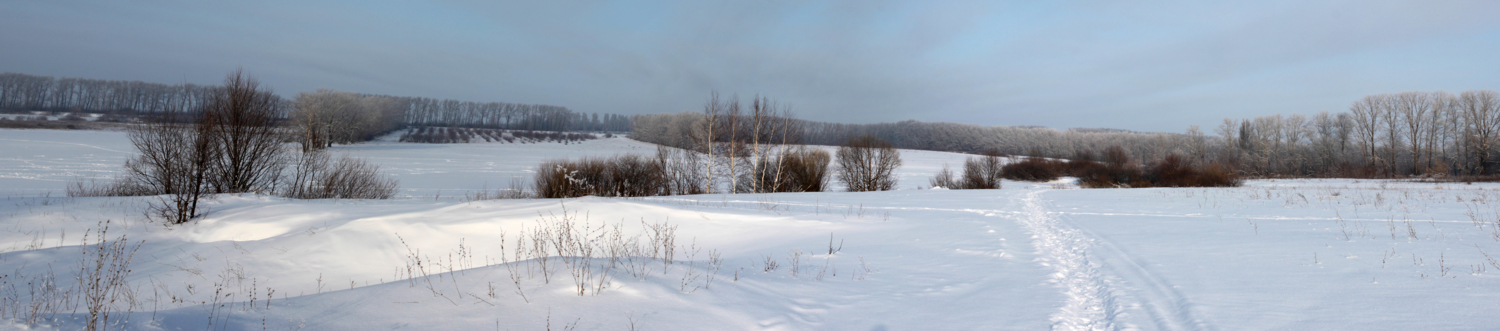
x=1135 y=65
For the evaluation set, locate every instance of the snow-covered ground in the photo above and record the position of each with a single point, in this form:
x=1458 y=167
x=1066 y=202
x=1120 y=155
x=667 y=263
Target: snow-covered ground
x=1276 y=254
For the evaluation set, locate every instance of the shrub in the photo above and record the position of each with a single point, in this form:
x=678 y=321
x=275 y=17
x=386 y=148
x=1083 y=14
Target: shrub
x=1219 y=175
x=1173 y=172
x=619 y=176
x=1035 y=169
x=982 y=173
x=944 y=179
x=793 y=170
x=1117 y=171
x=868 y=164
x=316 y=176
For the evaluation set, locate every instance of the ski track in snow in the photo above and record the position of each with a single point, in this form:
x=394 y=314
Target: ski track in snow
x=1090 y=304
x=1166 y=306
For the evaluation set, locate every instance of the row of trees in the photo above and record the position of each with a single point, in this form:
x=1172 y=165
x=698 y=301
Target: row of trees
x=324 y=116
x=32 y=92
x=680 y=130
x=327 y=117
x=1399 y=134
x=417 y=111
x=1383 y=135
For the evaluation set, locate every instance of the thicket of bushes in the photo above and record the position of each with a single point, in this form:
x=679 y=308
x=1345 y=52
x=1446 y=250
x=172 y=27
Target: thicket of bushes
x=1118 y=170
x=619 y=176
x=674 y=172
x=1115 y=170
x=1035 y=169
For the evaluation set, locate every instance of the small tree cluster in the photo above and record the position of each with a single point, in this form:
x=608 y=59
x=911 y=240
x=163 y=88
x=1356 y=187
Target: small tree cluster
x=328 y=117
x=233 y=144
x=868 y=164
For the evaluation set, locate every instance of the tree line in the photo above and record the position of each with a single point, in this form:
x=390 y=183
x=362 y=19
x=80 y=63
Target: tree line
x=1382 y=135
x=418 y=111
x=32 y=92
x=46 y=93
x=683 y=130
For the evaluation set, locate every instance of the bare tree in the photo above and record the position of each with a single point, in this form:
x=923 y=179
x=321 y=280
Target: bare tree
x=175 y=159
x=241 y=121
x=734 y=145
x=1367 y=122
x=1480 y=110
x=1414 y=109
x=1438 y=130
x=710 y=129
x=868 y=164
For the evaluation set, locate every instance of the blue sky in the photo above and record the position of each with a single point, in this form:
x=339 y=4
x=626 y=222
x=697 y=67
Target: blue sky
x=1138 y=65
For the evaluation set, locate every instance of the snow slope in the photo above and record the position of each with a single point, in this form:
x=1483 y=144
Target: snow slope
x=1283 y=254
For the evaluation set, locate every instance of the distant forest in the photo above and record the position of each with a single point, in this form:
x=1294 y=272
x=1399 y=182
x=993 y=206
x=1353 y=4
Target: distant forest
x=1384 y=135
x=22 y=92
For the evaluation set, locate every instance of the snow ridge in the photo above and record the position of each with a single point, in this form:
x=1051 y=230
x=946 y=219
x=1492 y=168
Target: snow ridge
x=1090 y=304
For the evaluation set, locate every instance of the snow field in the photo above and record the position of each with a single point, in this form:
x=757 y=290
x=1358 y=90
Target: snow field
x=1276 y=254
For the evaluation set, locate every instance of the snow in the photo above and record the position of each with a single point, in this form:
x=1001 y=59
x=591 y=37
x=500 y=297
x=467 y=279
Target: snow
x=1275 y=254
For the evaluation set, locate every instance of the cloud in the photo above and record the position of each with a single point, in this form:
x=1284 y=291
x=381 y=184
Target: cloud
x=1156 y=67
